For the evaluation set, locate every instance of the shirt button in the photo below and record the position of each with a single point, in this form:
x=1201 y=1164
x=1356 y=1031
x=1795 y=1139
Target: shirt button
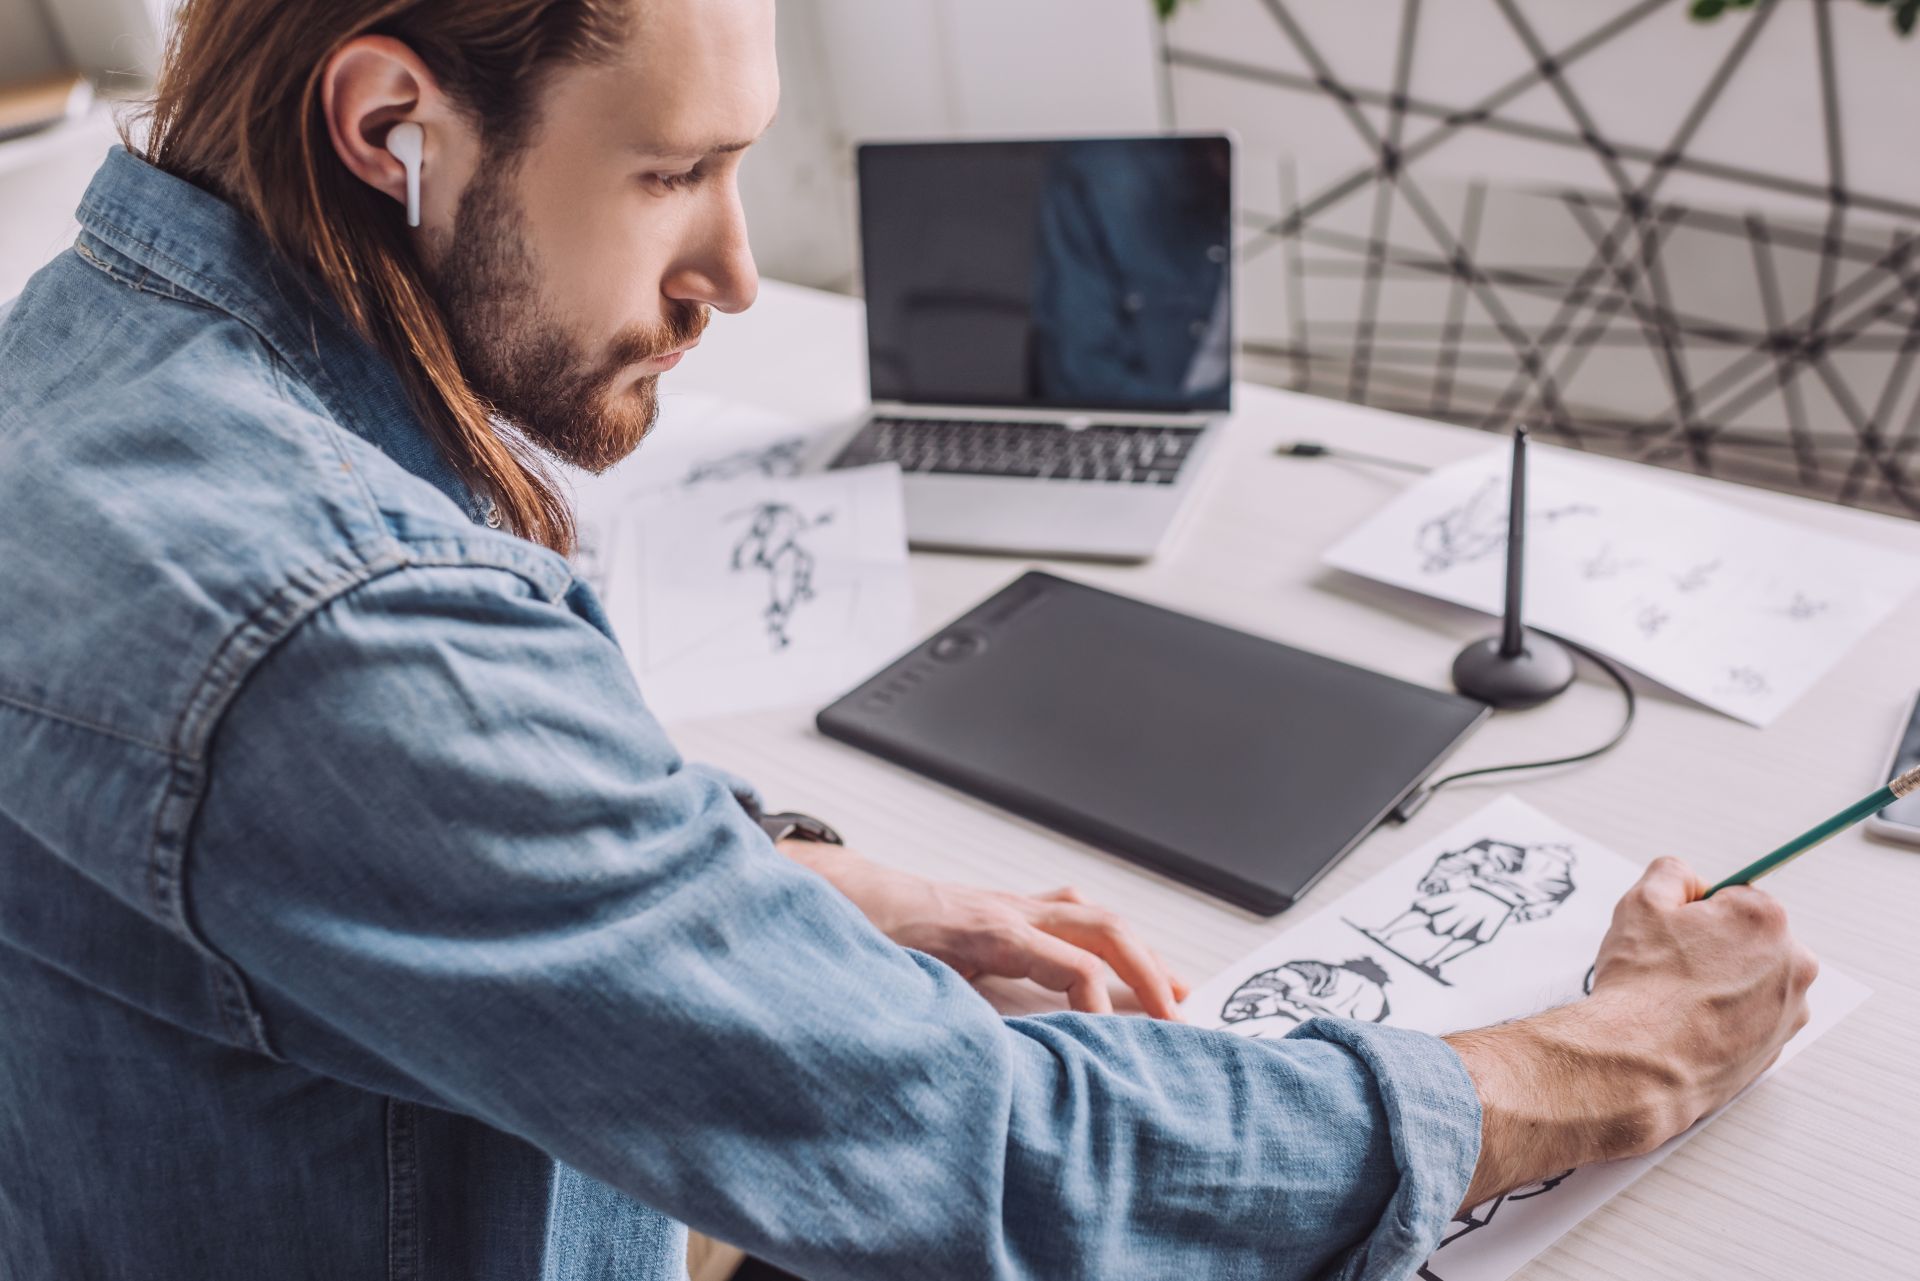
x=1198 y=328
x=1216 y=253
x=1134 y=302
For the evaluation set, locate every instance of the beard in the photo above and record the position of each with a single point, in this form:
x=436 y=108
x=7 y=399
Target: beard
x=516 y=354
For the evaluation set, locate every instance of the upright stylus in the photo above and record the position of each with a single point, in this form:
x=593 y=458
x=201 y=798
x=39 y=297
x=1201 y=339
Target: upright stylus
x=1511 y=641
x=1517 y=668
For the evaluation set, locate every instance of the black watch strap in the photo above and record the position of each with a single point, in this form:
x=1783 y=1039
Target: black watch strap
x=789 y=825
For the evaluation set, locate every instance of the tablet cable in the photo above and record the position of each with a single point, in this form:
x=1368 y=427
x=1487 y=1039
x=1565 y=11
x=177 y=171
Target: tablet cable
x=1418 y=797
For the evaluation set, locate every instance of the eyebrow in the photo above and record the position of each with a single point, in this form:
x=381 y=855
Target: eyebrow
x=716 y=149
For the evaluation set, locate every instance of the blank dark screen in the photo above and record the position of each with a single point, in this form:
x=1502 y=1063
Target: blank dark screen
x=1085 y=274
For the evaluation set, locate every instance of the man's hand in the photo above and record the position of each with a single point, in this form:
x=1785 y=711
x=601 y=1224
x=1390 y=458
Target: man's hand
x=1691 y=1001
x=1058 y=940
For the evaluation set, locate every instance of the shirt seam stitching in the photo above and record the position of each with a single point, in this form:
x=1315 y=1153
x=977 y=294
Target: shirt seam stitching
x=179 y=805
x=403 y=1206
x=170 y=843
x=211 y=290
x=81 y=722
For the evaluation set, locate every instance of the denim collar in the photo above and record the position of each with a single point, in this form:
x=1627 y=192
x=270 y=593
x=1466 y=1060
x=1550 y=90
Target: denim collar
x=186 y=243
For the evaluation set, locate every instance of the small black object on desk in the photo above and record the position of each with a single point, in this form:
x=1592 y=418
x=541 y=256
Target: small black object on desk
x=1519 y=667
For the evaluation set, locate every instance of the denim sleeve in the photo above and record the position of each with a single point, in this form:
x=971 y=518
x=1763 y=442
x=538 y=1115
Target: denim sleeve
x=457 y=862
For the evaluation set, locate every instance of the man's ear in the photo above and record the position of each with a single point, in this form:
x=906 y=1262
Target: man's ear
x=371 y=84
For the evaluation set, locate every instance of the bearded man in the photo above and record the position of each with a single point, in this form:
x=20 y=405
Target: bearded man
x=357 y=920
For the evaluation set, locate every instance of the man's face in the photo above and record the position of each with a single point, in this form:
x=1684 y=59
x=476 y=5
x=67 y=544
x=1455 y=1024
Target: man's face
x=574 y=267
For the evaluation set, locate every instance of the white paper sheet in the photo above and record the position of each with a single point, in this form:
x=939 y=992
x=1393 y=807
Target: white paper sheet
x=734 y=582
x=696 y=440
x=1497 y=918
x=1739 y=611
x=760 y=592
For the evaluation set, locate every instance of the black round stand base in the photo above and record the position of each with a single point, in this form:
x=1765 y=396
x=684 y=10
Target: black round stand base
x=1541 y=669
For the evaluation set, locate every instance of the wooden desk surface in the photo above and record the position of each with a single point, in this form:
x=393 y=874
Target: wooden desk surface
x=1813 y=1175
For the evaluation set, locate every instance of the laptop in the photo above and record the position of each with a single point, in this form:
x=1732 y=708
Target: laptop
x=1049 y=336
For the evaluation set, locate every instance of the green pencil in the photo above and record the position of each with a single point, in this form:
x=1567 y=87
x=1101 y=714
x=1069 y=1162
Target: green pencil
x=1899 y=787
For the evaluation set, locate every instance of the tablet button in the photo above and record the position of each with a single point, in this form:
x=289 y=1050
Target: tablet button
x=955 y=646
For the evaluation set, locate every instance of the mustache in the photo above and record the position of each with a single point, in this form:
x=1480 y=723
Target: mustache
x=686 y=323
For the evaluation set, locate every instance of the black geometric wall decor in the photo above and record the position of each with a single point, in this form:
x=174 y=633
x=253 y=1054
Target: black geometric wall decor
x=1683 y=243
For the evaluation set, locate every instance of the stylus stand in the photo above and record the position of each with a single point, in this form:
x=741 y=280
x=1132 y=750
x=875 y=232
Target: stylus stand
x=1541 y=669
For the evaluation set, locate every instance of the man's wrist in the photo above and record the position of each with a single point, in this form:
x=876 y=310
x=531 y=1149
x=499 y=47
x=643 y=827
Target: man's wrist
x=834 y=862
x=1562 y=1089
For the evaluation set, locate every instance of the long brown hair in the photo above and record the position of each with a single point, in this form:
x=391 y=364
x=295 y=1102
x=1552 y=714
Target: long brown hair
x=237 y=111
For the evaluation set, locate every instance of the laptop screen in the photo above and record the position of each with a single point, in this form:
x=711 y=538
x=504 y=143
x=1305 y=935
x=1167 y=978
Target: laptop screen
x=1083 y=274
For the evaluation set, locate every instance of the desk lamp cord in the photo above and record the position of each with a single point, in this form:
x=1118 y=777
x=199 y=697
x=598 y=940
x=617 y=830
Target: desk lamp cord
x=1407 y=808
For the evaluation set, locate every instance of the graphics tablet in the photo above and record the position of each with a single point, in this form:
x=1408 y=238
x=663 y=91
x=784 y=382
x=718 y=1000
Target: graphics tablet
x=1234 y=763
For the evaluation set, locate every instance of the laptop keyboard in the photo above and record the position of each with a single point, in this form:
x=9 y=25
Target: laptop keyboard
x=1044 y=450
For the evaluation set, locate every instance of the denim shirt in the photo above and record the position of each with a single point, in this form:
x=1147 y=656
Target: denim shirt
x=357 y=920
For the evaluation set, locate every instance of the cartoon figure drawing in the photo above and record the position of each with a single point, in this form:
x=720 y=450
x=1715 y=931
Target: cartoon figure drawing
x=1469 y=1221
x=773 y=543
x=1477 y=528
x=781 y=458
x=1603 y=564
x=1802 y=607
x=1697 y=578
x=1280 y=999
x=1468 y=895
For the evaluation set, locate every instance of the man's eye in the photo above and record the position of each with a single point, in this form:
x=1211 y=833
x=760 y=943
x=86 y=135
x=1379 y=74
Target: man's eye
x=675 y=181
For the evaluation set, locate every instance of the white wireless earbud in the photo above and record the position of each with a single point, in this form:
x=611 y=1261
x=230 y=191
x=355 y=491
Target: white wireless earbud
x=405 y=140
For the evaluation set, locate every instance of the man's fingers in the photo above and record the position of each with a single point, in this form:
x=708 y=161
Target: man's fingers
x=1107 y=937
x=1057 y=964
x=1668 y=882
x=1753 y=907
x=1181 y=988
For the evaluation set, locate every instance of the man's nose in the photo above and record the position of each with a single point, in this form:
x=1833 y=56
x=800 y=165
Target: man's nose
x=720 y=270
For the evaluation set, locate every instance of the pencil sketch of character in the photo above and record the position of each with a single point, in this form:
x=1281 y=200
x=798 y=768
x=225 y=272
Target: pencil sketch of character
x=1472 y=1220
x=1469 y=895
x=773 y=542
x=1802 y=607
x=781 y=458
x=1603 y=565
x=1477 y=528
x=1746 y=680
x=1280 y=999
x=1651 y=620
x=1697 y=577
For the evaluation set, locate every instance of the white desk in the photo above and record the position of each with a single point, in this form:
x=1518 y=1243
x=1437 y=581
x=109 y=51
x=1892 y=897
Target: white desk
x=1815 y=1174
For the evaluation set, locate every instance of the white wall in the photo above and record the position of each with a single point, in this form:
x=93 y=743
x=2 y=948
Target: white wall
x=116 y=43
x=41 y=181
x=857 y=70
x=851 y=70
